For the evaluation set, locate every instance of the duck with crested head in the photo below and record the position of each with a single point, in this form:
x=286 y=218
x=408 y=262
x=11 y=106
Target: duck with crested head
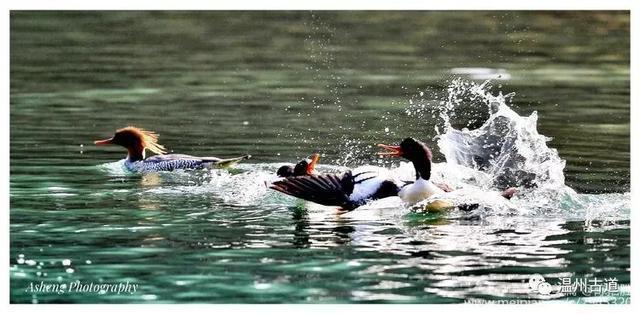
x=137 y=141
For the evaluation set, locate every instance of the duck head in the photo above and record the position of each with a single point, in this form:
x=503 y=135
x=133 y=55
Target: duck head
x=303 y=167
x=413 y=150
x=136 y=141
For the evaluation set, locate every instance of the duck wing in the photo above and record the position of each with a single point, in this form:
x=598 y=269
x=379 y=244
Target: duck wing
x=346 y=190
x=325 y=189
x=181 y=161
x=172 y=162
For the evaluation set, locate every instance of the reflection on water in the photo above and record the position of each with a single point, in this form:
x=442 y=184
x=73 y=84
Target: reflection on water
x=281 y=85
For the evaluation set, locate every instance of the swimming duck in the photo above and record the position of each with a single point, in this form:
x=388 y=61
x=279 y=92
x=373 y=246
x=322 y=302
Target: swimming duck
x=137 y=141
x=420 y=155
x=422 y=188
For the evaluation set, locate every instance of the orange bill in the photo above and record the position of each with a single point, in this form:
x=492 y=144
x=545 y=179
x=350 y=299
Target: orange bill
x=103 y=142
x=312 y=165
x=392 y=151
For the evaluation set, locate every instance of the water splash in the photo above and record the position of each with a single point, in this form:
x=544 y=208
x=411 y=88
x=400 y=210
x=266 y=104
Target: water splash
x=506 y=150
x=506 y=146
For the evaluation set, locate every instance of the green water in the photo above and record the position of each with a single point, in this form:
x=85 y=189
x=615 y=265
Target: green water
x=281 y=85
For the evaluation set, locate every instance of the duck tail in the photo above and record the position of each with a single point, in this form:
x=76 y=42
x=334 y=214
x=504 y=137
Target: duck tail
x=226 y=163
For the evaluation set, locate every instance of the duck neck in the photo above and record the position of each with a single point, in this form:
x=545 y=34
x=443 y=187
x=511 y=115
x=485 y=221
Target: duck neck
x=135 y=153
x=423 y=168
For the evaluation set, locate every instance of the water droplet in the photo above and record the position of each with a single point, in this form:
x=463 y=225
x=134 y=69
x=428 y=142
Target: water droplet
x=66 y=262
x=354 y=263
x=262 y=286
x=149 y=297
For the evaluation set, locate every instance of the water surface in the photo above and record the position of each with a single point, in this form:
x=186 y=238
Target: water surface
x=282 y=85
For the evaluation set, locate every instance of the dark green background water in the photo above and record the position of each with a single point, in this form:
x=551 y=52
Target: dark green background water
x=280 y=85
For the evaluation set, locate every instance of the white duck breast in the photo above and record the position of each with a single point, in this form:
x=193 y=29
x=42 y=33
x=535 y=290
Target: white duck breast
x=420 y=190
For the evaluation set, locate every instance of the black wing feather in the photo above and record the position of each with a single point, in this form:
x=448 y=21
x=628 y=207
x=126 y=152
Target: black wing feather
x=324 y=189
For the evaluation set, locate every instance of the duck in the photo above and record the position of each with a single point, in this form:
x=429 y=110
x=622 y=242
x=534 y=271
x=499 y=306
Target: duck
x=347 y=190
x=420 y=156
x=137 y=141
x=303 y=167
x=423 y=188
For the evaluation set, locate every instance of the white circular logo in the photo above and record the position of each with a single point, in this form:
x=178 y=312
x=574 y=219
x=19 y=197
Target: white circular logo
x=544 y=288
x=535 y=281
